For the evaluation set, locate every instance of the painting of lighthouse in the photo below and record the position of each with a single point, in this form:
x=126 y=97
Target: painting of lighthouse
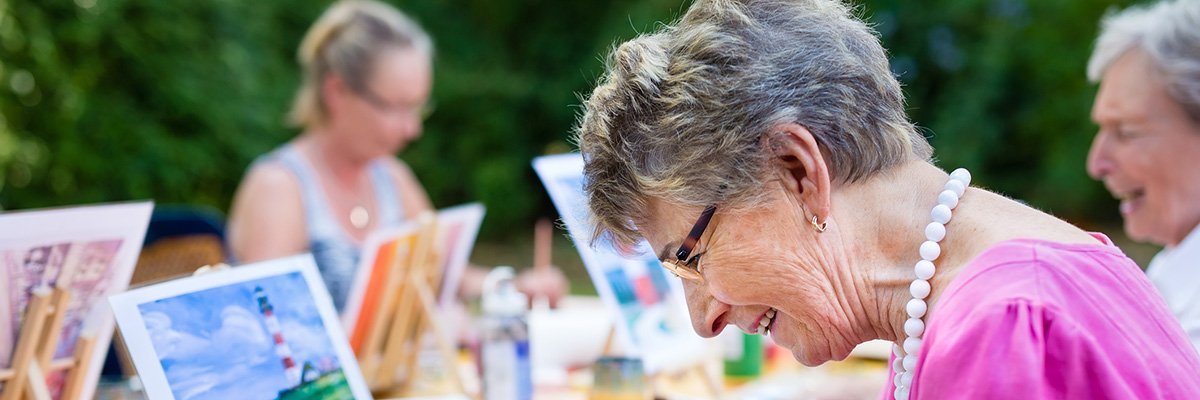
x=263 y=338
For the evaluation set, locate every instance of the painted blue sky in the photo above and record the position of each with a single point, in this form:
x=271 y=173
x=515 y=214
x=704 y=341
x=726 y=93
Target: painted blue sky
x=214 y=344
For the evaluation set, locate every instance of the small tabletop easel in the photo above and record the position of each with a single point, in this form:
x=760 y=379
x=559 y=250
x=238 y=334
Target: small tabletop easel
x=408 y=309
x=38 y=340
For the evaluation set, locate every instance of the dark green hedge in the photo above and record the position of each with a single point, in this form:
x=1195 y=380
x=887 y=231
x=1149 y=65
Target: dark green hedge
x=104 y=100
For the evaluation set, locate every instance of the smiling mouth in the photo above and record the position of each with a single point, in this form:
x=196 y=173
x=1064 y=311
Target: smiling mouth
x=1129 y=199
x=765 y=323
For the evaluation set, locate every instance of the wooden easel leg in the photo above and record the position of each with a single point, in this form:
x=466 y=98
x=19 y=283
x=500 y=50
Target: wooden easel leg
x=26 y=350
x=714 y=388
x=49 y=343
x=429 y=304
x=398 y=340
x=35 y=388
x=83 y=357
x=608 y=343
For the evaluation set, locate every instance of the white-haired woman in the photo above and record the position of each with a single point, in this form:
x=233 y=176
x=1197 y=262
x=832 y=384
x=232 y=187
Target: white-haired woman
x=763 y=149
x=1147 y=61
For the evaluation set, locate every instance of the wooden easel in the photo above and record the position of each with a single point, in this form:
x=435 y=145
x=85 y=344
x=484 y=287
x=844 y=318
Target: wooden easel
x=652 y=380
x=408 y=309
x=38 y=340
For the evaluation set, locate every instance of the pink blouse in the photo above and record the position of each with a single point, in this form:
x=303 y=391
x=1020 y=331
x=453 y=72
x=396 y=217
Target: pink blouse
x=1032 y=319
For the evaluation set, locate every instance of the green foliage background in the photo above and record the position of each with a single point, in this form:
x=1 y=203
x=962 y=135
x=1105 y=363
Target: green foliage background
x=104 y=100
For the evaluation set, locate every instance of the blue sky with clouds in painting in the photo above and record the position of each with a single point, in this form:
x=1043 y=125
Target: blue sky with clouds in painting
x=214 y=344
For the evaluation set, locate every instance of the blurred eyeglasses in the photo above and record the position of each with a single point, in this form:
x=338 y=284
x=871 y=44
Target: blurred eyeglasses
x=683 y=266
x=422 y=111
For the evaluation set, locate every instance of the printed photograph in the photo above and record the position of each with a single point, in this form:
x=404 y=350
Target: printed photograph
x=260 y=339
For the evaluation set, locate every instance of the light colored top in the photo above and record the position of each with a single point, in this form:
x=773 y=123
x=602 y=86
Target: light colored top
x=335 y=251
x=1176 y=274
x=1032 y=319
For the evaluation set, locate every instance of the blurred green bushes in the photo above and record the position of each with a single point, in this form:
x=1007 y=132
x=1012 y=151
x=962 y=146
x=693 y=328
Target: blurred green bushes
x=104 y=100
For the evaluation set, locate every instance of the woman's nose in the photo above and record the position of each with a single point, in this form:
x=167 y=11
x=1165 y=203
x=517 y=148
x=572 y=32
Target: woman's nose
x=1099 y=164
x=708 y=315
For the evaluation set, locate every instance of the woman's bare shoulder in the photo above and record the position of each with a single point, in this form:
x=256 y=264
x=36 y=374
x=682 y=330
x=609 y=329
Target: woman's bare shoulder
x=271 y=177
x=266 y=219
x=1018 y=219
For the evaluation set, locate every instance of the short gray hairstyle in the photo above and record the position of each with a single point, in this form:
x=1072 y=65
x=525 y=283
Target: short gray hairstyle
x=680 y=113
x=1169 y=33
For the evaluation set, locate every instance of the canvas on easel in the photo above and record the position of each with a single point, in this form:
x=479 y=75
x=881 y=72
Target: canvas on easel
x=392 y=333
x=86 y=253
x=457 y=228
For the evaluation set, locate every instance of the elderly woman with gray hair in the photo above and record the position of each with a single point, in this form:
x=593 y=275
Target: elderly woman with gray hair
x=762 y=147
x=1147 y=61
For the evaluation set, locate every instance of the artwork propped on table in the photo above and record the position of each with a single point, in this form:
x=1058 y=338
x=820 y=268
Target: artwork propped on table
x=653 y=320
x=399 y=312
x=260 y=331
x=457 y=228
x=85 y=252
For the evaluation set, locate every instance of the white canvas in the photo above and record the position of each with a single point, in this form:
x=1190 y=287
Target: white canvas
x=649 y=307
x=231 y=333
x=458 y=227
x=91 y=252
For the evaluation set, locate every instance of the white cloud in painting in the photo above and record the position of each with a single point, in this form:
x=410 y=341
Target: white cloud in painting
x=309 y=343
x=242 y=336
x=170 y=343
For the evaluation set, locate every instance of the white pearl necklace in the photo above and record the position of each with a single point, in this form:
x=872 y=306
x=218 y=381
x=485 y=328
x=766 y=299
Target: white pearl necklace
x=914 y=327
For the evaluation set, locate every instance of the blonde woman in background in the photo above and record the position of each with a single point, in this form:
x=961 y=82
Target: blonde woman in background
x=367 y=80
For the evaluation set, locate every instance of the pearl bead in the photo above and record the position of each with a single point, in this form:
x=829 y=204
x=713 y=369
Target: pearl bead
x=924 y=269
x=913 y=327
x=961 y=175
x=935 y=232
x=919 y=289
x=956 y=186
x=916 y=309
x=948 y=198
x=940 y=214
x=930 y=250
x=912 y=345
x=910 y=362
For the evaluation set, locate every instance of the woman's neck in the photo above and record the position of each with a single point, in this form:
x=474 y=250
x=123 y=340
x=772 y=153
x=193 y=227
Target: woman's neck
x=886 y=217
x=332 y=156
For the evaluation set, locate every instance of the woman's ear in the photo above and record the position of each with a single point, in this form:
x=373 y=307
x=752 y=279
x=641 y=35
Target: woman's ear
x=797 y=159
x=333 y=93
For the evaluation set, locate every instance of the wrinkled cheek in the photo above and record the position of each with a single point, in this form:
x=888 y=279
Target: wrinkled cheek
x=695 y=296
x=721 y=291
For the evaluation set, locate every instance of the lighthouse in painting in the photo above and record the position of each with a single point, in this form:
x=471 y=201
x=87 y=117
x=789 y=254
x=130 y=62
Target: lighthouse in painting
x=281 y=347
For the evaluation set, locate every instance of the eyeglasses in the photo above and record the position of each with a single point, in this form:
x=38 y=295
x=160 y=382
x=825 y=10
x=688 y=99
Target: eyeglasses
x=680 y=267
x=422 y=111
